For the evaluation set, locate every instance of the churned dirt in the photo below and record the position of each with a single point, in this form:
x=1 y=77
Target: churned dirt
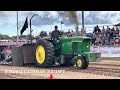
x=105 y=69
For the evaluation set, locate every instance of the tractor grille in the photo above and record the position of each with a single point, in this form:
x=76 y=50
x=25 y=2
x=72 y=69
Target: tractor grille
x=75 y=47
x=86 y=45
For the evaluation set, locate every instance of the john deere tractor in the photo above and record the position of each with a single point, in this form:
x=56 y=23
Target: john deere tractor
x=67 y=51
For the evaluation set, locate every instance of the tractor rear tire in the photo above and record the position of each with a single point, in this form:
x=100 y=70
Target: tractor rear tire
x=81 y=62
x=44 y=54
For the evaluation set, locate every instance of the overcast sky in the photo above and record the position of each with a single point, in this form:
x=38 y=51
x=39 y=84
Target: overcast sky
x=8 y=19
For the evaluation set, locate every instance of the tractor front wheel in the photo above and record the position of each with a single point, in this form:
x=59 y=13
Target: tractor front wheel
x=81 y=62
x=86 y=62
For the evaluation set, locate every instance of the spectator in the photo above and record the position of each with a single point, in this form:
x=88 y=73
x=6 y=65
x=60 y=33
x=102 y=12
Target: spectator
x=43 y=34
x=96 y=29
x=111 y=34
x=50 y=34
x=72 y=32
x=117 y=31
x=103 y=40
x=106 y=42
x=103 y=30
x=69 y=34
x=113 y=30
x=99 y=31
x=107 y=31
x=111 y=42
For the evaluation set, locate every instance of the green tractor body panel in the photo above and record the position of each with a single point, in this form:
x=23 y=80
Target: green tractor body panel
x=70 y=45
x=92 y=57
x=77 y=46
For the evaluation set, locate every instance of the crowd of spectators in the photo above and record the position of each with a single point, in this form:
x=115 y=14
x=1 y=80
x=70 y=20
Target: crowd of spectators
x=108 y=36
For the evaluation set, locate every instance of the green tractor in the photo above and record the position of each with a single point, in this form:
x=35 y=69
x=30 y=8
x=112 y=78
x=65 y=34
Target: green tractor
x=68 y=51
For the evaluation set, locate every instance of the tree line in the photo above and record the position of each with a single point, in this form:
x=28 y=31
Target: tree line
x=2 y=37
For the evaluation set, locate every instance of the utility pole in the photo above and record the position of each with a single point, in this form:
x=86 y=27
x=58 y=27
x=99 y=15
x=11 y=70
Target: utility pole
x=61 y=26
x=17 y=28
x=83 y=33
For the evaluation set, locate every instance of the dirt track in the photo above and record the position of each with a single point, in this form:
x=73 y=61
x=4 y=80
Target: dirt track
x=106 y=69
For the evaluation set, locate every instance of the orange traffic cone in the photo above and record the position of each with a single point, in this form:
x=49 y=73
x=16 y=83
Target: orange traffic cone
x=51 y=76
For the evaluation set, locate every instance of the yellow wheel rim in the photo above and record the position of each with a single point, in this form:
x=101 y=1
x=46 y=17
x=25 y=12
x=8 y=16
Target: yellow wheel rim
x=40 y=54
x=79 y=63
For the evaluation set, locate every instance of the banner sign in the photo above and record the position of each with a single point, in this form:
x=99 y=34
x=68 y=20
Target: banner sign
x=106 y=51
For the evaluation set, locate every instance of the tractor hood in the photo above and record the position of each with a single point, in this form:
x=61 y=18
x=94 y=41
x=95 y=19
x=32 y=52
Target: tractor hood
x=81 y=38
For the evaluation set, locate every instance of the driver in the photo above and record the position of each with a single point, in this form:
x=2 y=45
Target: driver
x=56 y=34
